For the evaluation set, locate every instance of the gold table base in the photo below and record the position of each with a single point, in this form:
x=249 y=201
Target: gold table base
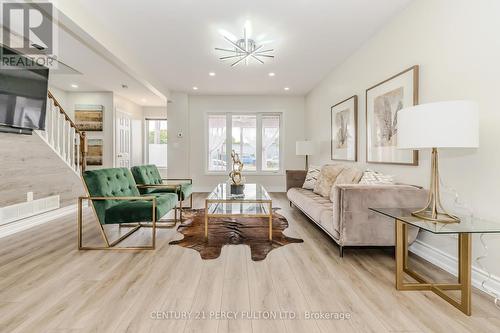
x=464 y=271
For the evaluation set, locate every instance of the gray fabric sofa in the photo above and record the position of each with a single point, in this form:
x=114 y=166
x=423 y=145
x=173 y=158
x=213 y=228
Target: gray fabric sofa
x=347 y=220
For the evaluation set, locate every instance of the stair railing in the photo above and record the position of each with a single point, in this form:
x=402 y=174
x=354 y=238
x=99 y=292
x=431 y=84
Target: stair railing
x=64 y=137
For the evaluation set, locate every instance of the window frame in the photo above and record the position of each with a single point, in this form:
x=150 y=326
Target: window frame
x=258 y=152
x=146 y=140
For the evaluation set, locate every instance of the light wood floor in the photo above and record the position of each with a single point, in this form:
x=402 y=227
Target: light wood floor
x=46 y=285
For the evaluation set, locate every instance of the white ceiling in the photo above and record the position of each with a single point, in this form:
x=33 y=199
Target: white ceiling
x=173 y=41
x=89 y=65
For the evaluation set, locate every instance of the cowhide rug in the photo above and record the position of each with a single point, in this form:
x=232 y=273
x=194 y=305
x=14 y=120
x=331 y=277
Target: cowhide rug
x=252 y=231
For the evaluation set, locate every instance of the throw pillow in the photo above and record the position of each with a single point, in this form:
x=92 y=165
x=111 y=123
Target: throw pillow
x=371 y=177
x=350 y=175
x=311 y=178
x=326 y=179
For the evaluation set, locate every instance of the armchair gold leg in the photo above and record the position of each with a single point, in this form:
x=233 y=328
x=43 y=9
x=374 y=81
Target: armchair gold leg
x=125 y=235
x=112 y=245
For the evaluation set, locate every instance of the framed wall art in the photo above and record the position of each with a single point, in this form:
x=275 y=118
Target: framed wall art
x=89 y=117
x=94 y=152
x=344 y=120
x=383 y=102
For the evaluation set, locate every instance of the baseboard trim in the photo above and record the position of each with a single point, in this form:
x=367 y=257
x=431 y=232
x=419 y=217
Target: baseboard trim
x=30 y=222
x=450 y=264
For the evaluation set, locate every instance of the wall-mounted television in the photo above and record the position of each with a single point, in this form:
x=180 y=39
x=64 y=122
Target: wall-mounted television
x=23 y=94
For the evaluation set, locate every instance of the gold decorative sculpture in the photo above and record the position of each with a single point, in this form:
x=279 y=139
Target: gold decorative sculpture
x=235 y=174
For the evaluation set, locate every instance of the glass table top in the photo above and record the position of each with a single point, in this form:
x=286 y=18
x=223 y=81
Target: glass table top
x=466 y=225
x=251 y=192
x=238 y=208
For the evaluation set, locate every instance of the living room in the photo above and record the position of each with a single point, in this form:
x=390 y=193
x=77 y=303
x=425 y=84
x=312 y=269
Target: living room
x=250 y=166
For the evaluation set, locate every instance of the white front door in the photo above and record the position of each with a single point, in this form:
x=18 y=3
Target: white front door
x=122 y=140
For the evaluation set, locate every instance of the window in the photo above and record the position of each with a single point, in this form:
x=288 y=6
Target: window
x=217 y=157
x=156 y=150
x=270 y=143
x=254 y=136
x=244 y=133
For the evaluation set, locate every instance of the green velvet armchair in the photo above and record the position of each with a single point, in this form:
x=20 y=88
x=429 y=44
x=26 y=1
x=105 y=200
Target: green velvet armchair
x=149 y=181
x=115 y=199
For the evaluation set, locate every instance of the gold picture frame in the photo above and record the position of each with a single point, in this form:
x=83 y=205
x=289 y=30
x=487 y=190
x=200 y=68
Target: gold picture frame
x=383 y=101
x=344 y=130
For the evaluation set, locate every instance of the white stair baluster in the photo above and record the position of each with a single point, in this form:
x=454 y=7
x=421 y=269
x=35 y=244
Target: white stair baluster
x=58 y=130
x=65 y=139
x=69 y=143
x=72 y=151
x=61 y=135
x=78 y=154
x=50 y=123
x=48 y=126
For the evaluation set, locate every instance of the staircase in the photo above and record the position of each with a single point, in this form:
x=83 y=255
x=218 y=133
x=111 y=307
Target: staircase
x=62 y=135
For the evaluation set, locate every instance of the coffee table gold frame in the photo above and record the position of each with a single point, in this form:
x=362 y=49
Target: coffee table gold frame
x=269 y=215
x=464 y=270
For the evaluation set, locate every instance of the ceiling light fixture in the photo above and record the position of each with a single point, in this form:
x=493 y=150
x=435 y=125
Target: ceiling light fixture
x=211 y=74
x=286 y=88
x=74 y=85
x=244 y=48
x=144 y=100
x=271 y=74
x=195 y=88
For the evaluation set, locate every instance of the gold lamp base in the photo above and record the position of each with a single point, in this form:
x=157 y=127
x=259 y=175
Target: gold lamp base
x=426 y=214
x=433 y=210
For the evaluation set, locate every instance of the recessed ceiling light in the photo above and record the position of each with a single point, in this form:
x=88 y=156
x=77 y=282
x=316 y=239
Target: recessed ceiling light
x=195 y=88
x=287 y=88
x=144 y=100
x=271 y=74
x=211 y=73
x=74 y=85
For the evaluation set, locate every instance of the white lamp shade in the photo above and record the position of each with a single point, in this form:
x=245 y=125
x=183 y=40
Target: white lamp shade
x=305 y=148
x=452 y=124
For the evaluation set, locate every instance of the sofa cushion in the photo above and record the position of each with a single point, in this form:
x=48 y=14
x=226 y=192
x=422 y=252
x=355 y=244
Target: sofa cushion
x=371 y=177
x=311 y=178
x=140 y=211
x=309 y=202
x=146 y=175
x=349 y=175
x=115 y=182
x=326 y=179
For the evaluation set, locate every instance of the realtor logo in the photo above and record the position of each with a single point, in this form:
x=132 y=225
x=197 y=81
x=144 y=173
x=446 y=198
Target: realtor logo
x=28 y=28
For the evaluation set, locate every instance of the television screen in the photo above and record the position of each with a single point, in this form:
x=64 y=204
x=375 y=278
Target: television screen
x=23 y=95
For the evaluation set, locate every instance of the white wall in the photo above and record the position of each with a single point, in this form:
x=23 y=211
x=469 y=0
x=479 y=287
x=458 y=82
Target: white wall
x=178 y=147
x=60 y=95
x=456 y=44
x=293 y=127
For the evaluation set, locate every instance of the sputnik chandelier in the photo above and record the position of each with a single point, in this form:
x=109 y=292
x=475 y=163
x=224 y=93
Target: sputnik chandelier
x=244 y=49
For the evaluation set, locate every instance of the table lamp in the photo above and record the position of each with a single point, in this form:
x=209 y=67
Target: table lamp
x=305 y=148
x=451 y=124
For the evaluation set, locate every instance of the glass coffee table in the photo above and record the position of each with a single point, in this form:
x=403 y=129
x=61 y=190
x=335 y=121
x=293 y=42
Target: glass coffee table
x=464 y=230
x=255 y=202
